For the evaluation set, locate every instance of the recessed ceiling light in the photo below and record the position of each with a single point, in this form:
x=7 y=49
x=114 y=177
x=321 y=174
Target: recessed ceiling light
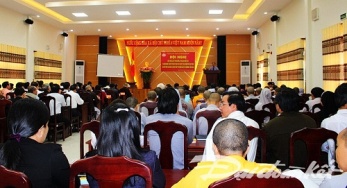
x=265 y=12
x=215 y=11
x=161 y=35
x=214 y=35
x=135 y=35
x=99 y=29
x=187 y=28
x=80 y=14
x=169 y=12
x=187 y=35
x=217 y=28
x=123 y=13
x=156 y=29
x=37 y=16
x=71 y=30
x=248 y=28
x=110 y=36
x=127 y=29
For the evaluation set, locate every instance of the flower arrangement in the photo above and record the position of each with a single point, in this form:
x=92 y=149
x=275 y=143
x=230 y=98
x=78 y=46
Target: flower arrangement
x=146 y=74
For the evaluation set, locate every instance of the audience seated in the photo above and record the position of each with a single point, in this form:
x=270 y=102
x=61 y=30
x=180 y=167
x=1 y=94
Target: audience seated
x=132 y=103
x=279 y=129
x=6 y=88
x=59 y=102
x=150 y=106
x=44 y=164
x=329 y=106
x=94 y=100
x=167 y=111
x=232 y=106
x=341 y=153
x=189 y=109
x=338 y=122
x=264 y=98
x=250 y=93
x=32 y=92
x=200 y=96
x=202 y=103
x=120 y=136
x=230 y=142
x=316 y=94
x=212 y=105
x=75 y=100
x=19 y=94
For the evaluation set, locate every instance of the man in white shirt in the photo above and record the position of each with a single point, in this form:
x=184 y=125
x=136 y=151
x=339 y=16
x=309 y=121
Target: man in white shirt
x=75 y=100
x=338 y=122
x=59 y=102
x=231 y=106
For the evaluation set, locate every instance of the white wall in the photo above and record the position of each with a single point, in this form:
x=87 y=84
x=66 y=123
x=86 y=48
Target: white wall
x=295 y=22
x=37 y=37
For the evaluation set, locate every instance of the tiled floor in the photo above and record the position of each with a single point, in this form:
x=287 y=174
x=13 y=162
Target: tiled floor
x=71 y=146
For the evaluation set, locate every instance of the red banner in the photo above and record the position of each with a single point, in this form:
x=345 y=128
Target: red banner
x=178 y=61
x=165 y=42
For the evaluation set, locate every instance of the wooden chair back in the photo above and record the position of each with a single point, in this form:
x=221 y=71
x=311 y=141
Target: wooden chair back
x=93 y=126
x=183 y=113
x=246 y=180
x=88 y=100
x=259 y=116
x=4 y=107
x=55 y=127
x=3 y=130
x=13 y=179
x=110 y=171
x=313 y=139
x=252 y=101
x=166 y=130
x=271 y=107
x=258 y=133
x=150 y=107
x=316 y=106
x=10 y=95
x=210 y=115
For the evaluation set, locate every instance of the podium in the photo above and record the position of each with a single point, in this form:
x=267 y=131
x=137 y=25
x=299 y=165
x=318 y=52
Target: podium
x=211 y=76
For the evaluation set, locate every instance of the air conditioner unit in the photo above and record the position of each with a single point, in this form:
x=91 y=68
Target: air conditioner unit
x=79 y=71
x=245 y=71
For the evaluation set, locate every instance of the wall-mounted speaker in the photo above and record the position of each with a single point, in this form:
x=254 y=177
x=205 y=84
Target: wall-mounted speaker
x=274 y=18
x=65 y=34
x=29 y=21
x=255 y=33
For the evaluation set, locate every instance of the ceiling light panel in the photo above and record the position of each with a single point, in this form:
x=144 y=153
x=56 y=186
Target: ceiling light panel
x=80 y=14
x=169 y=12
x=215 y=11
x=123 y=13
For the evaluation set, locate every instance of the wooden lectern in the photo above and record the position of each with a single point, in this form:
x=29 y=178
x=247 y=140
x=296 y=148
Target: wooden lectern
x=211 y=76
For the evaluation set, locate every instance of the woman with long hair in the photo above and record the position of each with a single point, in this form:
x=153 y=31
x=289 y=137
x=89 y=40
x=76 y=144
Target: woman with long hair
x=44 y=164
x=120 y=136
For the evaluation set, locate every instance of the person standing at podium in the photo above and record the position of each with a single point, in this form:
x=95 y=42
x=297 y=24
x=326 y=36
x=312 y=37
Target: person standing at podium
x=214 y=66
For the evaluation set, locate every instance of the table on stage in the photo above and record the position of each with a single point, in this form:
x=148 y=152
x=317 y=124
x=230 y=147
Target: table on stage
x=173 y=176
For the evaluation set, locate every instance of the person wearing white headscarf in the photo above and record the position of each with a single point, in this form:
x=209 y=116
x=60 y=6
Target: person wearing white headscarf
x=265 y=98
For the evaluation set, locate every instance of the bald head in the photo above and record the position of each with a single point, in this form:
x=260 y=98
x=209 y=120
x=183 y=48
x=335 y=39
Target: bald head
x=230 y=137
x=214 y=99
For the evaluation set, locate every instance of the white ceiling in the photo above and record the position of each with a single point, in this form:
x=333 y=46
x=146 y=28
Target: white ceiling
x=146 y=16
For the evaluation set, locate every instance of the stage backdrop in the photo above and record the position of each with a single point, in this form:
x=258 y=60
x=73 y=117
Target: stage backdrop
x=139 y=52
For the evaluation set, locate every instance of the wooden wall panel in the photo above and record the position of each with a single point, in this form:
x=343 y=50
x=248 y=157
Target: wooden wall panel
x=238 y=47
x=87 y=50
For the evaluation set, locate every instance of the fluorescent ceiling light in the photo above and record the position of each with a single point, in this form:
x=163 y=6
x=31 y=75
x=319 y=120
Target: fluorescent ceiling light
x=169 y=12
x=215 y=11
x=80 y=14
x=123 y=13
